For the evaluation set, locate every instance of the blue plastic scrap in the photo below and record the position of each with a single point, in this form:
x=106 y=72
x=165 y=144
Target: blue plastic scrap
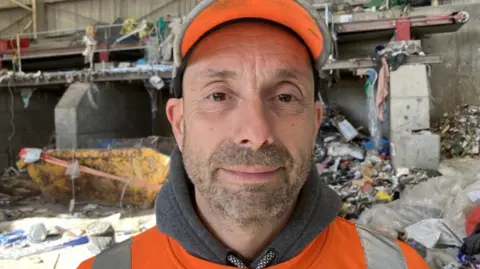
x=467 y=260
x=369 y=144
x=12 y=237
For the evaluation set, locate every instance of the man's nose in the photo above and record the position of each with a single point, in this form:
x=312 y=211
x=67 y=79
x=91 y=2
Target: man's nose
x=254 y=127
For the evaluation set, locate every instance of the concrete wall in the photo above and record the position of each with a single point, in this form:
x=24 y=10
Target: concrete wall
x=113 y=110
x=34 y=125
x=456 y=80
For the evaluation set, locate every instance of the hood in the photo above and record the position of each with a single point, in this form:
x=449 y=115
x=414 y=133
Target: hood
x=317 y=207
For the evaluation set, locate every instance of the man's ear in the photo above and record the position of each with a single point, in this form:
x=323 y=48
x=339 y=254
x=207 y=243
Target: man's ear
x=175 y=117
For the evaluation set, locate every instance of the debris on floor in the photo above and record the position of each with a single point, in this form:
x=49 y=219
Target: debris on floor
x=363 y=176
x=93 y=227
x=460 y=132
x=436 y=212
x=16 y=187
x=430 y=210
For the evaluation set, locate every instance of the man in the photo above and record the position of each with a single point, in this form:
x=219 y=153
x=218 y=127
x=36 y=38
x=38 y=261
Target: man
x=242 y=191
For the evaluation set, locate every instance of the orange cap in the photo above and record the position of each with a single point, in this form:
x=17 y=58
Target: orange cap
x=296 y=15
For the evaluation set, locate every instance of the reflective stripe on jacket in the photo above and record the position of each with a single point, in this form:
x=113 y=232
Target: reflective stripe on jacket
x=342 y=245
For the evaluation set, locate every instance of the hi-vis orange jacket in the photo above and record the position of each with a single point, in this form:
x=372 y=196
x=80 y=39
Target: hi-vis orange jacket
x=343 y=245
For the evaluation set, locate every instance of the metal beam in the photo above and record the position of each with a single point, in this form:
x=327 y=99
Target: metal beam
x=104 y=78
x=360 y=63
x=21 y=5
x=34 y=18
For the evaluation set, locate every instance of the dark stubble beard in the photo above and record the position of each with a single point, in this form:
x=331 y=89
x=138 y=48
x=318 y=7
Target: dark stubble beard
x=249 y=205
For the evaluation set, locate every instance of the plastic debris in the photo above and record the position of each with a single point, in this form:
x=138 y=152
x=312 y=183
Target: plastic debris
x=357 y=169
x=38 y=233
x=460 y=132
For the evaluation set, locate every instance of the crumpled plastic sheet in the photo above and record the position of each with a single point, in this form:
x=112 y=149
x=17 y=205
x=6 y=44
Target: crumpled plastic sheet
x=442 y=258
x=445 y=197
x=432 y=232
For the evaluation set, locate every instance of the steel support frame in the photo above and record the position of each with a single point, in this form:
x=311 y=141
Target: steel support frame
x=412 y=21
x=32 y=9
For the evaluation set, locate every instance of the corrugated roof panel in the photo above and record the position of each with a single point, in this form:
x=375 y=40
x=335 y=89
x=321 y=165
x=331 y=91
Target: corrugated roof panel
x=78 y=14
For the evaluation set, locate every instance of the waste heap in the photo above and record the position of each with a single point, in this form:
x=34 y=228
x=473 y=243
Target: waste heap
x=460 y=132
x=360 y=173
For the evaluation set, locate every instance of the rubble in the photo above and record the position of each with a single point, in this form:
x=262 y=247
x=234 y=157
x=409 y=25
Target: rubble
x=360 y=174
x=460 y=132
x=428 y=209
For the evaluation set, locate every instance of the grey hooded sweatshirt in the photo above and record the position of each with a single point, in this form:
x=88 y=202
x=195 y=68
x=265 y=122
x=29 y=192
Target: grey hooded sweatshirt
x=317 y=207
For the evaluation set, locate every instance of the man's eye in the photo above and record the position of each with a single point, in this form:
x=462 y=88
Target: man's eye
x=218 y=96
x=285 y=98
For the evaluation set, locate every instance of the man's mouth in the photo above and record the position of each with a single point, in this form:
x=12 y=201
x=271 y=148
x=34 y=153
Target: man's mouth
x=250 y=173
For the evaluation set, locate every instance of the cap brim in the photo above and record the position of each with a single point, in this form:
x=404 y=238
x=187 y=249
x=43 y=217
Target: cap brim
x=289 y=13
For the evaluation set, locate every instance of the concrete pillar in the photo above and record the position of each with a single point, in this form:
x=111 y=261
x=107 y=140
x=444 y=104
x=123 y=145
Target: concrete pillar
x=411 y=145
x=105 y=111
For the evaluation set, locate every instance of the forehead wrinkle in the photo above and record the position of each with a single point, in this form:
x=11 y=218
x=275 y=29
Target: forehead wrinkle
x=218 y=73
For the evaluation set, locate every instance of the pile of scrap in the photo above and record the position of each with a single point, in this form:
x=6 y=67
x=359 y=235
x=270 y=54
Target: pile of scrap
x=361 y=173
x=435 y=211
x=460 y=132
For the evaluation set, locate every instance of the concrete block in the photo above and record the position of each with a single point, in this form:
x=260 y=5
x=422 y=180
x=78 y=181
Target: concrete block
x=66 y=141
x=409 y=81
x=106 y=111
x=415 y=150
x=412 y=113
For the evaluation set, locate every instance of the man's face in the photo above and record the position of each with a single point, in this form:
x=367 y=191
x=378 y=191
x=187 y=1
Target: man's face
x=247 y=122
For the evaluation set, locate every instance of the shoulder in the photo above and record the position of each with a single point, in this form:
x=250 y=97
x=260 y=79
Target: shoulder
x=378 y=248
x=125 y=254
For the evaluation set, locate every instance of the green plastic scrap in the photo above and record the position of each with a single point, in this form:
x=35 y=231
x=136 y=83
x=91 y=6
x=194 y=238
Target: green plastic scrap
x=368 y=87
x=391 y=3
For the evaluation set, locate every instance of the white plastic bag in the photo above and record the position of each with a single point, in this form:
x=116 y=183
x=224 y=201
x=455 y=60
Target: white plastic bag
x=445 y=197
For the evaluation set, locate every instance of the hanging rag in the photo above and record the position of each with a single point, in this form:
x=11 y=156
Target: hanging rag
x=90 y=44
x=382 y=89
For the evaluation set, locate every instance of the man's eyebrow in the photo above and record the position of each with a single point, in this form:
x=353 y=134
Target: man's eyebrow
x=286 y=74
x=220 y=74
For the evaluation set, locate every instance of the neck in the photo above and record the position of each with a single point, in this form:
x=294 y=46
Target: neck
x=247 y=241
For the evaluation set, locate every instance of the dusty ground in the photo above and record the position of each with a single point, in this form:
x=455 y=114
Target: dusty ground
x=53 y=215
